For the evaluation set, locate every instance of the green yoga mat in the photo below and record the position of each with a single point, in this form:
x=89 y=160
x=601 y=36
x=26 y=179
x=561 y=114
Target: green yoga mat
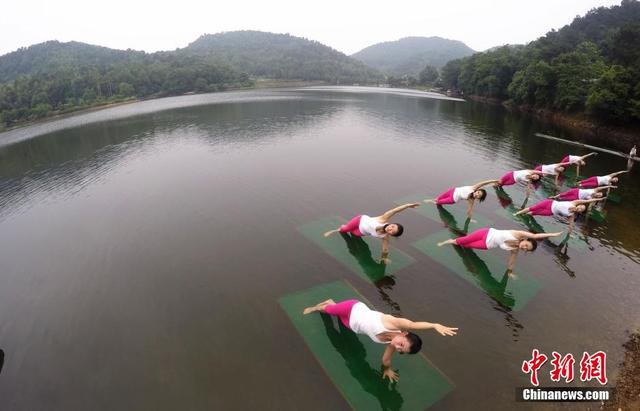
x=353 y=362
x=359 y=254
x=457 y=211
x=543 y=224
x=486 y=269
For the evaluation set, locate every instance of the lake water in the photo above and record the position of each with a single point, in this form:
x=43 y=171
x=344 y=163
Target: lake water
x=144 y=249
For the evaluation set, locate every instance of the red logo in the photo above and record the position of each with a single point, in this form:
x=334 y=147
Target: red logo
x=562 y=367
x=594 y=367
x=534 y=365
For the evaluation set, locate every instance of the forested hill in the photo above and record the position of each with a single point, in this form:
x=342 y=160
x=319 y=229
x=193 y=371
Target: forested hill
x=282 y=56
x=590 y=67
x=53 y=56
x=55 y=77
x=409 y=55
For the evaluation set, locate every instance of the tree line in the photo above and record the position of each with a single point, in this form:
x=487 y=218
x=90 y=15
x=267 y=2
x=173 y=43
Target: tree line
x=71 y=84
x=591 y=66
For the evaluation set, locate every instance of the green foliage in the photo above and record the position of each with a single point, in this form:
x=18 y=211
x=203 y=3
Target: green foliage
x=450 y=73
x=281 y=56
x=534 y=85
x=591 y=66
x=428 y=75
x=612 y=96
x=54 y=77
x=576 y=72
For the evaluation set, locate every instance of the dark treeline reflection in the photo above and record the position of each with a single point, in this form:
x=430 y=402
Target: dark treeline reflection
x=68 y=159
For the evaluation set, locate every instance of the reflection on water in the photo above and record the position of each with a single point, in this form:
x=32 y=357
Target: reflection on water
x=374 y=269
x=370 y=379
x=142 y=248
x=561 y=250
x=496 y=289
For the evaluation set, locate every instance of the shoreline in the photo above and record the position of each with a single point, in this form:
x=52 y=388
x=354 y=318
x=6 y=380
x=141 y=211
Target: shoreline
x=591 y=131
x=259 y=84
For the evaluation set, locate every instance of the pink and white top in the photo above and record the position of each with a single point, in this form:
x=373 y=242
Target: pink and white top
x=520 y=176
x=364 y=320
x=368 y=226
x=604 y=180
x=462 y=193
x=572 y=159
x=549 y=168
x=499 y=238
x=561 y=208
x=586 y=194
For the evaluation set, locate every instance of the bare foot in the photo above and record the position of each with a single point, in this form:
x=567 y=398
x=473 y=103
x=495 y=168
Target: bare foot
x=328 y=233
x=309 y=310
x=441 y=243
x=317 y=307
x=430 y=201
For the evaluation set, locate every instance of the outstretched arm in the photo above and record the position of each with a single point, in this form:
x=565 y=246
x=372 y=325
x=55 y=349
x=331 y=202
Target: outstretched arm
x=408 y=325
x=387 y=372
x=470 y=203
x=522 y=235
x=588 y=155
x=387 y=215
x=484 y=183
x=572 y=219
x=512 y=260
x=593 y=200
x=618 y=173
x=385 y=250
x=602 y=188
x=542 y=173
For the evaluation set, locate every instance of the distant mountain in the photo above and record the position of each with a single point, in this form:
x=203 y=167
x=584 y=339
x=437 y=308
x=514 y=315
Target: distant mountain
x=409 y=55
x=281 y=56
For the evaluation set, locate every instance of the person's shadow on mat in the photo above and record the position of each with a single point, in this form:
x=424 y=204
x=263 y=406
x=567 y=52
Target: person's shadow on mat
x=351 y=349
x=374 y=270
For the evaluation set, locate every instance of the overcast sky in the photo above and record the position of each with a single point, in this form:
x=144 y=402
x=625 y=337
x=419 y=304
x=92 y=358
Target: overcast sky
x=347 y=26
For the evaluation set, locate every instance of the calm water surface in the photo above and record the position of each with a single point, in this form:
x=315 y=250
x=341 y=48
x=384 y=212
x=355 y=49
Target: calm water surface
x=143 y=250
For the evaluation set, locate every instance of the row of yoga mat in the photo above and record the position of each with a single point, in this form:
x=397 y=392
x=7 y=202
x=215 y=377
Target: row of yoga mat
x=352 y=361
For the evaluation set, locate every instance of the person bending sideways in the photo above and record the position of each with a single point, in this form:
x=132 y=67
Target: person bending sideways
x=509 y=240
x=469 y=193
x=597 y=181
x=577 y=160
x=567 y=209
x=363 y=225
x=582 y=193
x=553 y=169
x=381 y=328
x=523 y=177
